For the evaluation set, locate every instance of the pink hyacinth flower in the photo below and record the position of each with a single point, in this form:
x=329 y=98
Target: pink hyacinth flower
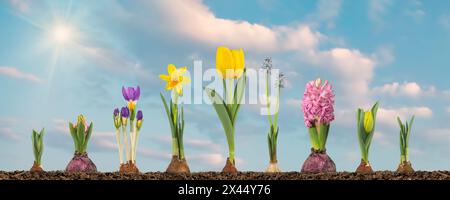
x=317 y=103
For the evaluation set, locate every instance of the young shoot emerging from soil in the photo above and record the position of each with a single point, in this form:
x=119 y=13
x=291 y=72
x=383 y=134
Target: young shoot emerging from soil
x=365 y=128
x=318 y=110
x=81 y=133
x=405 y=131
x=230 y=65
x=175 y=114
x=272 y=117
x=125 y=140
x=38 y=148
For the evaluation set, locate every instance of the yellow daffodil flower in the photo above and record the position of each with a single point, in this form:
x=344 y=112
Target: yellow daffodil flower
x=175 y=78
x=230 y=64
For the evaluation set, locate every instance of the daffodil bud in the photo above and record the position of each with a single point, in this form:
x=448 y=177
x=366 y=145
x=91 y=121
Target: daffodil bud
x=368 y=121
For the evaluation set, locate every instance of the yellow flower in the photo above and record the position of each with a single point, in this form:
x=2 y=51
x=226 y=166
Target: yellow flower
x=230 y=64
x=368 y=121
x=175 y=78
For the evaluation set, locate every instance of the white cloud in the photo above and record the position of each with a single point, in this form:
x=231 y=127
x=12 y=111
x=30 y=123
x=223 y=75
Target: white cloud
x=384 y=55
x=327 y=11
x=441 y=135
x=154 y=154
x=343 y=63
x=294 y=103
x=409 y=89
x=448 y=110
x=203 y=144
x=416 y=14
x=415 y=11
x=377 y=8
x=444 y=21
x=17 y=74
x=194 y=20
x=9 y=134
x=21 y=5
x=388 y=116
x=214 y=159
x=382 y=139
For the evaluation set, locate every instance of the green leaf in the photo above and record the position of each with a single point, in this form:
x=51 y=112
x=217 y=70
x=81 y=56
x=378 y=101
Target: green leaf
x=269 y=143
x=409 y=130
x=313 y=137
x=169 y=116
x=223 y=113
x=375 y=110
x=88 y=136
x=360 y=131
x=323 y=135
x=80 y=137
x=74 y=135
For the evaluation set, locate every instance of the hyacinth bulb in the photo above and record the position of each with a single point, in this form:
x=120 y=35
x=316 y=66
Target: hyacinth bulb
x=317 y=103
x=81 y=163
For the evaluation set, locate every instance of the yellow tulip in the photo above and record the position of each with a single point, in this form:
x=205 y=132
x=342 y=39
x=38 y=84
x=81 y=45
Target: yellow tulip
x=368 y=121
x=175 y=78
x=230 y=64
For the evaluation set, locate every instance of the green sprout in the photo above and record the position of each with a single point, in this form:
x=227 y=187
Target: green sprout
x=405 y=132
x=81 y=133
x=366 y=127
x=38 y=145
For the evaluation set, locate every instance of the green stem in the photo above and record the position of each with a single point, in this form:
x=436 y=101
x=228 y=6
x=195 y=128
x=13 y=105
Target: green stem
x=230 y=91
x=231 y=148
x=175 y=150
x=268 y=99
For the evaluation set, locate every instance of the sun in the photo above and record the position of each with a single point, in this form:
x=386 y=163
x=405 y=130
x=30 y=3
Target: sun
x=62 y=34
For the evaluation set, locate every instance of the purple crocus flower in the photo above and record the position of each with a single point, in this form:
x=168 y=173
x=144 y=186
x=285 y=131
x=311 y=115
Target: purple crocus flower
x=116 y=112
x=125 y=112
x=139 y=115
x=131 y=94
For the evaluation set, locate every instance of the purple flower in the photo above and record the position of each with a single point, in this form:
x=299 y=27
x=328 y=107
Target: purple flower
x=116 y=112
x=139 y=115
x=317 y=103
x=131 y=94
x=125 y=112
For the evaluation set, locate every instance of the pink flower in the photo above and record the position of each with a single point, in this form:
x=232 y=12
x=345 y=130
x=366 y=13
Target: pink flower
x=317 y=103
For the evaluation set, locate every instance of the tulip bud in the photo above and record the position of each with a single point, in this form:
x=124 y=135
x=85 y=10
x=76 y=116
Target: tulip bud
x=368 y=121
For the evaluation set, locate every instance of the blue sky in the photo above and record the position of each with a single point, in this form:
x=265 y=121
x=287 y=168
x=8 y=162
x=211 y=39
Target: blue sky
x=394 y=51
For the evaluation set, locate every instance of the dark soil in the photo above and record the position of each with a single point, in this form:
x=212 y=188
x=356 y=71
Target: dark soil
x=381 y=175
